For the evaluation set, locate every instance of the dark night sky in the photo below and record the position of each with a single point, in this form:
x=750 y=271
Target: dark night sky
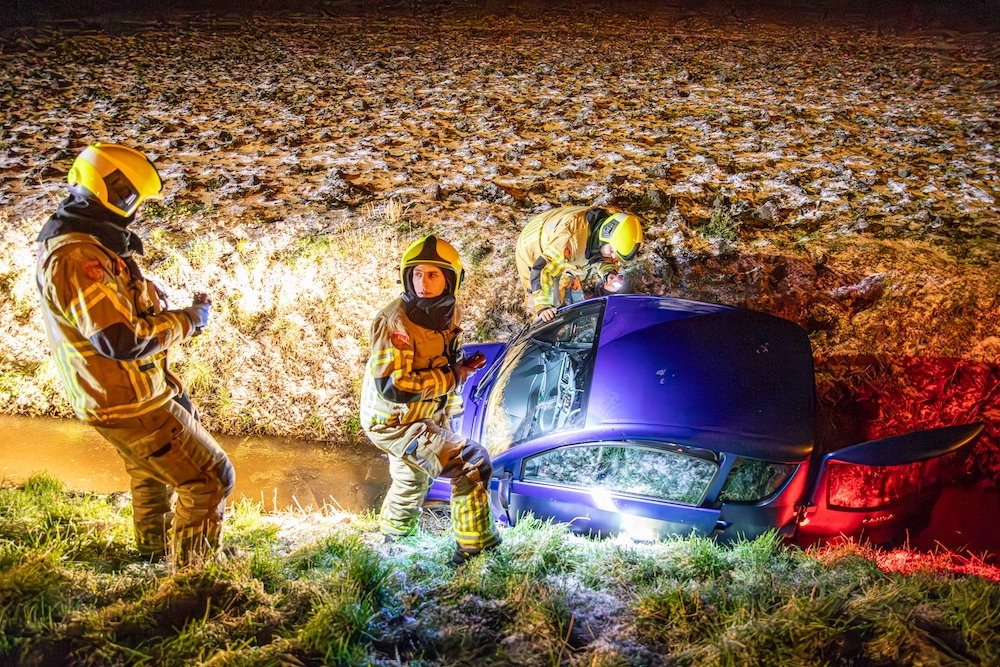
x=968 y=15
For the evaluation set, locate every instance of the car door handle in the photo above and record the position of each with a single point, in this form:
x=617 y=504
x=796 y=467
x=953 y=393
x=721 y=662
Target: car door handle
x=503 y=492
x=722 y=525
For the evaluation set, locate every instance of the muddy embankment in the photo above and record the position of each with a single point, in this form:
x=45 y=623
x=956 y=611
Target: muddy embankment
x=843 y=177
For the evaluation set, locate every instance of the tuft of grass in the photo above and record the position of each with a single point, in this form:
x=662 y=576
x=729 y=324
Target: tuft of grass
x=722 y=225
x=247 y=526
x=311 y=248
x=353 y=577
x=204 y=252
x=171 y=212
x=42 y=486
x=198 y=376
x=339 y=622
x=392 y=213
x=315 y=425
x=352 y=425
x=238 y=310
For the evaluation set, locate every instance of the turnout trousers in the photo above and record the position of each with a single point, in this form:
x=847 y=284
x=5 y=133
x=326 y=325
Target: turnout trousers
x=168 y=451
x=418 y=453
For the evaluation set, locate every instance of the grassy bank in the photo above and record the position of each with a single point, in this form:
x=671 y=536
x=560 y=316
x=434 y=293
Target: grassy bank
x=314 y=589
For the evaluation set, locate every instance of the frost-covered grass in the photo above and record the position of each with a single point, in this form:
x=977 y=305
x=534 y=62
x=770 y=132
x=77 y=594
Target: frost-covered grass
x=312 y=589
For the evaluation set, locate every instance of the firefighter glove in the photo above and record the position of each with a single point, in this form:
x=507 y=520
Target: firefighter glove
x=198 y=312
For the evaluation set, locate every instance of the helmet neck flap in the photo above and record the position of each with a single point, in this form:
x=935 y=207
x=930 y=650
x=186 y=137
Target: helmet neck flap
x=435 y=313
x=79 y=213
x=595 y=218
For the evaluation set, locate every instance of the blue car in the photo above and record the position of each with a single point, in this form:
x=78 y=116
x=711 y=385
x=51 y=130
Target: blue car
x=658 y=416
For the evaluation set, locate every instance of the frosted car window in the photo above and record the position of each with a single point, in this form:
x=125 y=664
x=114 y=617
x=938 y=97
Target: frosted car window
x=640 y=471
x=753 y=480
x=544 y=380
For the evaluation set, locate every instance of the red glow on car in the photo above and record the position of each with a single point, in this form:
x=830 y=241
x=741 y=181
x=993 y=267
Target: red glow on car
x=854 y=486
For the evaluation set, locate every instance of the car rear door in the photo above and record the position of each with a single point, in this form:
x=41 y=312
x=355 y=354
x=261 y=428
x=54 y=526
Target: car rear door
x=646 y=490
x=883 y=489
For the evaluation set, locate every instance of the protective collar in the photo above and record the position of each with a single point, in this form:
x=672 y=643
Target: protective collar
x=80 y=214
x=433 y=313
x=595 y=218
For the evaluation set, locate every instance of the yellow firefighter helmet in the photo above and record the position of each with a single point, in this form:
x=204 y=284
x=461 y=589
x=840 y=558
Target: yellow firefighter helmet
x=119 y=177
x=624 y=232
x=432 y=250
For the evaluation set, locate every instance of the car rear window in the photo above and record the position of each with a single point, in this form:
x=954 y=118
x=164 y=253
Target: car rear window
x=634 y=470
x=754 y=480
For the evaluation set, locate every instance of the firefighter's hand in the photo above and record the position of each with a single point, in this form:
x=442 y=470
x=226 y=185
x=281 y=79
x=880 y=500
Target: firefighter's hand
x=462 y=372
x=198 y=312
x=547 y=314
x=476 y=361
x=614 y=282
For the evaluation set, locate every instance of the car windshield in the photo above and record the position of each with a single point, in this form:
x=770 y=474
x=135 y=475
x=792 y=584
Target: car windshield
x=544 y=380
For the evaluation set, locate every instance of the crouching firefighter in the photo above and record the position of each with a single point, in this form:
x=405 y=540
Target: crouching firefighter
x=410 y=392
x=559 y=249
x=109 y=333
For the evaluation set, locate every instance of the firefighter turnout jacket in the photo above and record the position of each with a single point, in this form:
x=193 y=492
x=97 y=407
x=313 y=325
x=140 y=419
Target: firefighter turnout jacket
x=552 y=248
x=409 y=375
x=108 y=331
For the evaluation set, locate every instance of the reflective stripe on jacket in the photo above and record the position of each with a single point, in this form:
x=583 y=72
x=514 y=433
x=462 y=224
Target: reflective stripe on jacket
x=554 y=243
x=86 y=288
x=408 y=376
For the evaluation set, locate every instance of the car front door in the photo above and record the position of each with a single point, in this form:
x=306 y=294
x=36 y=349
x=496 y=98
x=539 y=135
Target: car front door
x=883 y=489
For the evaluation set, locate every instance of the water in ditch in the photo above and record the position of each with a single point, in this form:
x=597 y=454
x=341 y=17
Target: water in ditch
x=281 y=473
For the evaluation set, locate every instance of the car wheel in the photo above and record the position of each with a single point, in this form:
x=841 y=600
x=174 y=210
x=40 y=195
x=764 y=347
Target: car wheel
x=436 y=517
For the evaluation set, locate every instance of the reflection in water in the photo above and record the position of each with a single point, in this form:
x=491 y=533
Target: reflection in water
x=276 y=471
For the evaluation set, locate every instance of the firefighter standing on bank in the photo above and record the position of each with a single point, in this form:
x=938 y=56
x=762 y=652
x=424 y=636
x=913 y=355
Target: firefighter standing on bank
x=410 y=392
x=560 y=248
x=109 y=335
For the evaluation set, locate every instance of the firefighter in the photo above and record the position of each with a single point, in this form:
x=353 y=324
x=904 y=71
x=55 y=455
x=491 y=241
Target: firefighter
x=411 y=391
x=560 y=248
x=109 y=332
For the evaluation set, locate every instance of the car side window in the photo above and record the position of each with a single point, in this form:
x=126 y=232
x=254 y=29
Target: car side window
x=754 y=480
x=629 y=469
x=543 y=383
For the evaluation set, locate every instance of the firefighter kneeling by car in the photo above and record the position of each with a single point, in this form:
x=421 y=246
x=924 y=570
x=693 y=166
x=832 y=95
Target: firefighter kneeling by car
x=560 y=248
x=109 y=334
x=411 y=390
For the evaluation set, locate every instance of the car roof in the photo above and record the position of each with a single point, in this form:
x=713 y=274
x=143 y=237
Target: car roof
x=705 y=375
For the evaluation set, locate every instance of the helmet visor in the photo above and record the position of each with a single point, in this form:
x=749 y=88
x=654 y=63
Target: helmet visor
x=121 y=193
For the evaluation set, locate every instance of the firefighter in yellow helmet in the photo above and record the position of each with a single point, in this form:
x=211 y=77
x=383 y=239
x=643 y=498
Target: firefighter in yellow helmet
x=560 y=248
x=411 y=390
x=110 y=332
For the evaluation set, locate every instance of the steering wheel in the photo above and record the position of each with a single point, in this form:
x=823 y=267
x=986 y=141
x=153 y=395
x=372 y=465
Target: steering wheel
x=559 y=406
x=566 y=391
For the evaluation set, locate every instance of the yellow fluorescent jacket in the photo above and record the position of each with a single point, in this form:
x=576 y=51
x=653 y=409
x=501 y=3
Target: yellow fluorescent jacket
x=560 y=236
x=408 y=376
x=85 y=288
